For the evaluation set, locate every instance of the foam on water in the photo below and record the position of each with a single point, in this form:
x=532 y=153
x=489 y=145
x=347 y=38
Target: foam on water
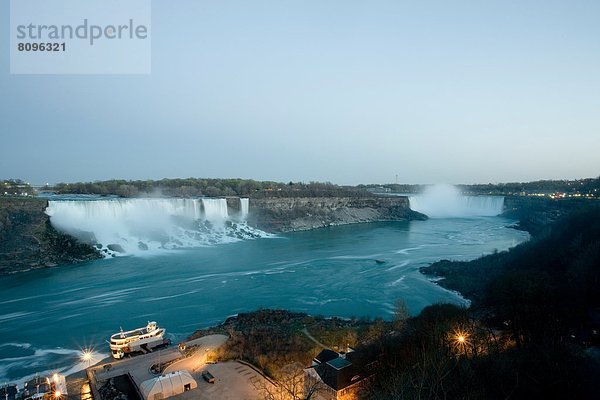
x=14 y=315
x=24 y=357
x=401 y=265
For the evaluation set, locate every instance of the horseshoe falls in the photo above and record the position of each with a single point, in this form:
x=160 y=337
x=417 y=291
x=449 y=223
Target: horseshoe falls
x=446 y=201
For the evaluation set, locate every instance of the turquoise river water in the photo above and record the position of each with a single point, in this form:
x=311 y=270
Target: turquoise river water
x=48 y=316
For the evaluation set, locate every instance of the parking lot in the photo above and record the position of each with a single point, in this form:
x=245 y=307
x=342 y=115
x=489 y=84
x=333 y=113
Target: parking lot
x=233 y=381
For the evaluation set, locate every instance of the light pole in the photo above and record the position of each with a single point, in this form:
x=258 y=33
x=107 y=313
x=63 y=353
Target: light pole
x=460 y=341
x=86 y=356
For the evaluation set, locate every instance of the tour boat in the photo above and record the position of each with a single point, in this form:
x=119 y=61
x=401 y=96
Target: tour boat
x=137 y=340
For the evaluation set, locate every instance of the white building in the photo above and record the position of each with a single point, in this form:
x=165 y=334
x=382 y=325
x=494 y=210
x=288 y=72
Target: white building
x=168 y=385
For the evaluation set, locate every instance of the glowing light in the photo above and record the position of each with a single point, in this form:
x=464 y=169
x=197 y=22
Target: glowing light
x=86 y=356
x=460 y=340
x=57 y=394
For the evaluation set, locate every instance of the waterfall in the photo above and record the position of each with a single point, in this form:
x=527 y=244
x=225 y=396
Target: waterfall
x=137 y=225
x=244 y=207
x=446 y=201
x=215 y=210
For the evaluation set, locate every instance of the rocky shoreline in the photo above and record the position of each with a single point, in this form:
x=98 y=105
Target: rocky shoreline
x=28 y=241
x=535 y=214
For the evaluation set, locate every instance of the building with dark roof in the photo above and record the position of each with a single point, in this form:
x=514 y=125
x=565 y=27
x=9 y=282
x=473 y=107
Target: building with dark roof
x=324 y=356
x=335 y=376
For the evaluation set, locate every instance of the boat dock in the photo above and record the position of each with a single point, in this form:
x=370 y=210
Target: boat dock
x=129 y=373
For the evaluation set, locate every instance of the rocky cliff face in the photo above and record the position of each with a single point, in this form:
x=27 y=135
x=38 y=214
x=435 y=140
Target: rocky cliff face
x=28 y=241
x=297 y=214
x=535 y=214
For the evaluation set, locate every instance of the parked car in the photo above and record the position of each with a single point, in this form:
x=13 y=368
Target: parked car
x=208 y=377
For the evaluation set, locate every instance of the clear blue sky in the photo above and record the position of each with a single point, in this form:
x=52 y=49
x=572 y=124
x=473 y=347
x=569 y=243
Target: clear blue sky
x=343 y=91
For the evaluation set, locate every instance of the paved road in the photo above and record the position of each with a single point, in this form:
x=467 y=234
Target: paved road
x=205 y=345
x=311 y=337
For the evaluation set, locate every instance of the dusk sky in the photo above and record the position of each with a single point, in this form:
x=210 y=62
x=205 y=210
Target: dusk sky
x=342 y=91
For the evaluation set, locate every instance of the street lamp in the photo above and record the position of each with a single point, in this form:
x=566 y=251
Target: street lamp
x=460 y=340
x=86 y=356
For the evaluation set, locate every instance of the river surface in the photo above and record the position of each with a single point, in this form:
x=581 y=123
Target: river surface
x=48 y=316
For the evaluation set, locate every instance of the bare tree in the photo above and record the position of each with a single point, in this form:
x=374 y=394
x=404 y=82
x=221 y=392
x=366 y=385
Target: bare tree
x=290 y=385
x=401 y=314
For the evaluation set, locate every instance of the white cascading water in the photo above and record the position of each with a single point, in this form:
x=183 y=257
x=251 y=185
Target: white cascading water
x=446 y=201
x=244 y=207
x=136 y=226
x=215 y=210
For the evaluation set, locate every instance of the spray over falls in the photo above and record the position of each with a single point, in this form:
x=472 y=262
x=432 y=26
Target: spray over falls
x=135 y=226
x=446 y=201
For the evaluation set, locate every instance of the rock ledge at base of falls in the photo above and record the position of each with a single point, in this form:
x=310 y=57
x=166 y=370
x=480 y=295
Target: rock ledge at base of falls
x=289 y=214
x=28 y=240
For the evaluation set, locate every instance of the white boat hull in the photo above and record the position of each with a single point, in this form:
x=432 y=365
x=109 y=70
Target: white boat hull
x=137 y=340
